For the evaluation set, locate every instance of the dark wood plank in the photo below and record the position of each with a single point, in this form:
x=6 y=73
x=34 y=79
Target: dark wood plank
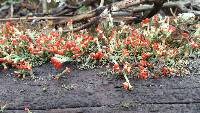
x=85 y=91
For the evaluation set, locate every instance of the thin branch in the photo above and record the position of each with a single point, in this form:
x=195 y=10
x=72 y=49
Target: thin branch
x=32 y=18
x=11 y=9
x=80 y=17
x=143 y=8
x=101 y=3
x=87 y=25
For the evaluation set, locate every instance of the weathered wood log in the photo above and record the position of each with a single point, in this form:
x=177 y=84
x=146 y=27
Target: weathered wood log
x=89 y=92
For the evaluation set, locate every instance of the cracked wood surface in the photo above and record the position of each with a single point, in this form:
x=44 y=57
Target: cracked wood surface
x=88 y=92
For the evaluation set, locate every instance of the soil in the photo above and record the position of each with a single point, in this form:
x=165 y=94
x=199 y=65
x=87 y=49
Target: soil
x=88 y=91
